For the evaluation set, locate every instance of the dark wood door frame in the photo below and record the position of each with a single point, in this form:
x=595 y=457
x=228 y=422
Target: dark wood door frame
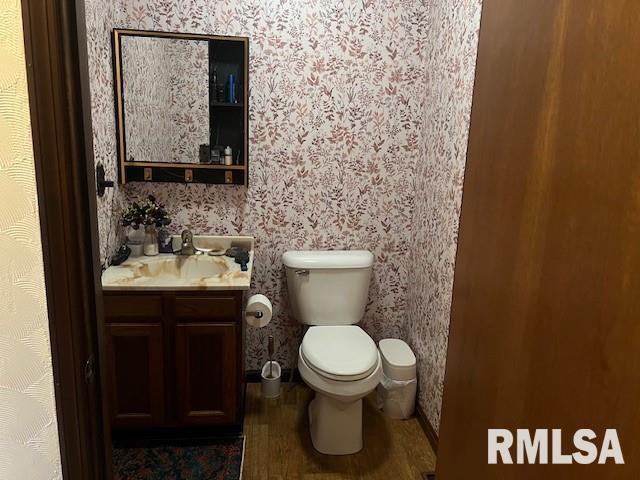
x=55 y=48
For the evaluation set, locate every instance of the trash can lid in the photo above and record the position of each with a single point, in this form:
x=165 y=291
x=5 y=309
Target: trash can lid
x=398 y=360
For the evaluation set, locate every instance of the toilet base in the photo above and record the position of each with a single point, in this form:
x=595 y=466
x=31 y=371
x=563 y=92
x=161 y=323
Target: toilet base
x=336 y=427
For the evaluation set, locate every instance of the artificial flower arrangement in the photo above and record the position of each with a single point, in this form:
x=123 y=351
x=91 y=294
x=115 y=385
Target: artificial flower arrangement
x=147 y=213
x=152 y=216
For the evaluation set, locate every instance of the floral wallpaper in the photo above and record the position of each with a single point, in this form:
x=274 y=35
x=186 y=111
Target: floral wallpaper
x=336 y=99
x=359 y=113
x=450 y=68
x=100 y=20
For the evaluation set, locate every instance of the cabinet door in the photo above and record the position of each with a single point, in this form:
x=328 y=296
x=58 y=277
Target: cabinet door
x=135 y=373
x=206 y=373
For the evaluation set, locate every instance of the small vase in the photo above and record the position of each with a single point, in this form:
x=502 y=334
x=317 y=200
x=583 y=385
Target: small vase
x=135 y=241
x=151 y=241
x=135 y=235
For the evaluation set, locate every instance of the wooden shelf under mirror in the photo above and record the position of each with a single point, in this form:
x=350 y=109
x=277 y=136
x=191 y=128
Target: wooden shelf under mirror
x=223 y=105
x=181 y=99
x=185 y=165
x=186 y=173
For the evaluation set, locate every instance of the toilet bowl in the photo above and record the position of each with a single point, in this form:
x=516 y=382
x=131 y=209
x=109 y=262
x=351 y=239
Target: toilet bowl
x=337 y=359
x=326 y=364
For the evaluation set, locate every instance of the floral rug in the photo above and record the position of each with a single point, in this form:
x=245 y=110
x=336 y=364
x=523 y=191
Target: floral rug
x=219 y=461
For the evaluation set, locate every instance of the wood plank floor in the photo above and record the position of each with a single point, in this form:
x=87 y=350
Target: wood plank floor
x=278 y=446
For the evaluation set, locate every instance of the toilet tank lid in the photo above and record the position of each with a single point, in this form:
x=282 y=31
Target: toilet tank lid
x=310 y=259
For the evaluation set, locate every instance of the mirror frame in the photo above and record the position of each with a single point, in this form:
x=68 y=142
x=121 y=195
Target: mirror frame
x=173 y=171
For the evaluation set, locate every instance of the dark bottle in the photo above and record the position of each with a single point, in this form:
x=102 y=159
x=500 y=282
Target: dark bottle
x=231 y=89
x=220 y=93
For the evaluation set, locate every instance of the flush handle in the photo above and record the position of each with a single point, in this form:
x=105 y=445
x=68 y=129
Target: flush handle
x=302 y=272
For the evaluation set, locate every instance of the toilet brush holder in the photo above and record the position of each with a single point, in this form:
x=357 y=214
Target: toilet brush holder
x=271 y=380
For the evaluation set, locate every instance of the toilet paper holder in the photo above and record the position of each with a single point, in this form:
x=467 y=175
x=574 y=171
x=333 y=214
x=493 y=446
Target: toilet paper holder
x=258 y=311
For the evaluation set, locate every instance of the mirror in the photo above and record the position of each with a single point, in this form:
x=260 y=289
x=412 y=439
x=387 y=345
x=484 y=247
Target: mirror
x=165 y=85
x=182 y=107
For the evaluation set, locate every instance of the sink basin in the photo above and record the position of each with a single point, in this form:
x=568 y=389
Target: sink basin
x=178 y=272
x=171 y=269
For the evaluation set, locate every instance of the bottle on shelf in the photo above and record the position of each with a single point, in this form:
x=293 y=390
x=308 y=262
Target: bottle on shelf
x=231 y=89
x=228 y=156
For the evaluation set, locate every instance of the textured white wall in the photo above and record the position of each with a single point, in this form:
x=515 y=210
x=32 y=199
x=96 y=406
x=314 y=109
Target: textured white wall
x=29 y=446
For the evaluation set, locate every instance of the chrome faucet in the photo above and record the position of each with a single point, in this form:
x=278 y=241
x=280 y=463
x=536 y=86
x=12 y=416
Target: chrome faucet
x=187 y=243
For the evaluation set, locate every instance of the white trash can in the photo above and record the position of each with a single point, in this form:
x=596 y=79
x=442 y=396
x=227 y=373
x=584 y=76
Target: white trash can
x=397 y=389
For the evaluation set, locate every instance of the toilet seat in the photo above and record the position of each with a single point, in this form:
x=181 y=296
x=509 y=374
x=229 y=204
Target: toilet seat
x=343 y=390
x=344 y=352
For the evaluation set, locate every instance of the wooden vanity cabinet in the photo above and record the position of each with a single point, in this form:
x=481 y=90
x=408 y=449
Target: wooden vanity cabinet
x=174 y=359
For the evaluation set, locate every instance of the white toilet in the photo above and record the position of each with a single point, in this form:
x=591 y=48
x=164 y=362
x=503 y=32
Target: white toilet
x=328 y=290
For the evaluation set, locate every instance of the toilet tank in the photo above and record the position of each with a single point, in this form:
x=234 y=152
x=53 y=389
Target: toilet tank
x=328 y=287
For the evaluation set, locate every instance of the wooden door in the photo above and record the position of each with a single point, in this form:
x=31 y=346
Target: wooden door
x=206 y=373
x=545 y=327
x=135 y=362
x=56 y=63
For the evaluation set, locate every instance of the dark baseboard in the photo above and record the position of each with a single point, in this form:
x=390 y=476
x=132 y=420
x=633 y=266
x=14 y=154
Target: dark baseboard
x=429 y=431
x=253 y=376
